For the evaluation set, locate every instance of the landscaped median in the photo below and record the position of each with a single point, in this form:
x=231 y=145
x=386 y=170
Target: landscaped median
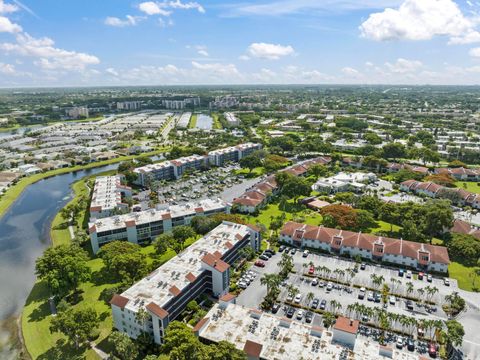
x=16 y=190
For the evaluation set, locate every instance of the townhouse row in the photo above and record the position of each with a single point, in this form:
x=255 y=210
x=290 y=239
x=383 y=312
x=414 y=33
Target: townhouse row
x=258 y=195
x=204 y=267
x=457 y=196
x=174 y=169
x=142 y=227
x=401 y=252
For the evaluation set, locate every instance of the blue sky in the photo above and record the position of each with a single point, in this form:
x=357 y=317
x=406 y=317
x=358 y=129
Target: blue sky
x=122 y=42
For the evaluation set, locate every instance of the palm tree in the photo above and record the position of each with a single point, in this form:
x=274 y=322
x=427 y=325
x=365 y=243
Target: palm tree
x=272 y=281
x=310 y=297
x=334 y=304
x=377 y=280
x=431 y=291
x=328 y=319
x=420 y=293
x=410 y=287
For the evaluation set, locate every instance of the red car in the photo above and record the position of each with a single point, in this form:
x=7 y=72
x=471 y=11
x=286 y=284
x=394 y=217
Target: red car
x=259 y=263
x=420 y=275
x=311 y=271
x=432 y=350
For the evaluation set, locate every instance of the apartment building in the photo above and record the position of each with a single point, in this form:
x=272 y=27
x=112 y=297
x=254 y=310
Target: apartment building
x=460 y=173
x=232 y=154
x=174 y=169
x=396 y=251
x=232 y=119
x=142 y=227
x=201 y=268
x=129 y=105
x=258 y=195
x=107 y=195
x=77 y=112
x=456 y=195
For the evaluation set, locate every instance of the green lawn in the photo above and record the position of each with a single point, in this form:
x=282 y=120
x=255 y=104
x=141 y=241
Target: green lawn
x=193 y=122
x=470 y=186
x=464 y=275
x=216 y=122
x=14 y=191
x=256 y=172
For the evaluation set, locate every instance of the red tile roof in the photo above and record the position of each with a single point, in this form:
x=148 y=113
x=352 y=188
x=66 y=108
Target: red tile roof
x=227 y=297
x=190 y=277
x=166 y=216
x=130 y=223
x=252 y=348
x=119 y=301
x=346 y=325
x=200 y=324
x=157 y=310
x=214 y=262
x=175 y=291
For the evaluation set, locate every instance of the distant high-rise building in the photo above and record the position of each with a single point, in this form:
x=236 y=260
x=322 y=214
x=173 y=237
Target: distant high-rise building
x=224 y=102
x=129 y=105
x=77 y=112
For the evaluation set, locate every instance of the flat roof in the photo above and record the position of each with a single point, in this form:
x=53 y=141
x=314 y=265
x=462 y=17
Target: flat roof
x=152 y=215
x=172 y=277
x=106 y=192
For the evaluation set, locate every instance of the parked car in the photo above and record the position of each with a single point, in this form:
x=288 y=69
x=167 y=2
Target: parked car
x=323 y=304
x=361 y=293
x=308 y=316
x=446 y=282
x=321 y=283
x=293 y=251
x=400 y=272
x=264 y=257
x=275 y=308
x=392 y=300
x=409 y=304
x=271 y=251
x=370 y=296
x=410 y=344
x=378 y=297
x=290 y=312
x=300 y=314
x=432 y=350
x=409 y=274
x=311 y=270
x=399 y=342
x=420 y=275
x=315 y=303
x=429 y=278
x=289 y=298
x=363 y=266
x=305 y=253
x=298 y=298
x=315 y=282
x=267 y=254
x=242 y=285
x=281 y=248
x=329 y=286
x=259 y=263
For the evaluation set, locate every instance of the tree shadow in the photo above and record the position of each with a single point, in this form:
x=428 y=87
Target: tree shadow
x=63 y=350
x=40 y=295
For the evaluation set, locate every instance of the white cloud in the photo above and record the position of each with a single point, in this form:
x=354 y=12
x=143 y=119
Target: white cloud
x=217 y=69
x=153 y=8
x=269 y=51
x=7 y=8
x=244 y=57
x=403 y=66
x=7 y=69
x=475 y=52
x=421 y=20
x=47 y=56
x=111 y=71
x=349 y=71
x=129 y=21
x=7 y=26
x=164 y=8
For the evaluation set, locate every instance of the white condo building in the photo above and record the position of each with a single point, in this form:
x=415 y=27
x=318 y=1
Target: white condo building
x=202 y=267
x=107 y=196
x=141 y=227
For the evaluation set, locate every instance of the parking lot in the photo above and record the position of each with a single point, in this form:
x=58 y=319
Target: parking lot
x=325 y=296
x=213 y=183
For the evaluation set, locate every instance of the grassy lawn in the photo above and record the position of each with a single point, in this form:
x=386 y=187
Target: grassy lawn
x=216 y=122
x=463 y=275
x=193 y=122
x=15 y=191
x=256 y=172
x=470 y=186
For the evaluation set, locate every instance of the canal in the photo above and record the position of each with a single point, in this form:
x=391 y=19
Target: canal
x=24 y=235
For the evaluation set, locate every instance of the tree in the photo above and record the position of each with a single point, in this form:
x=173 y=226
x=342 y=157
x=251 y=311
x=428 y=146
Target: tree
x=76 y=324
x=163 y=242
x=250 y=162
x=295 y=187
x=393 y=151
x=455 y=332
x=180 y=235
x=438 y=216
x=341 y=216
x=122 y=346
x=465 y=248
x=318 y=170
x=389 y=213
x=272 y=281
x=63 y=268
x=124 y=261
x=328 y=319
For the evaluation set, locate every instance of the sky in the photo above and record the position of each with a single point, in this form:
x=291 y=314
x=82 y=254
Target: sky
x=170 y=42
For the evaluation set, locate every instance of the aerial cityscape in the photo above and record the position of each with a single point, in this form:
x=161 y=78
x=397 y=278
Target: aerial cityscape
x=272 y=179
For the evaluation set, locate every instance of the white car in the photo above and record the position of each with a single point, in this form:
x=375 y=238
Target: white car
x=289 y=298
x=300 y=314
x=315 y=282
x=242 y=285
x=329 y=286
x=306 y=253
x=298 y=298
x=399 y=342
x=446 y=282
x=370 y=296
x=409 y=274
x=392 y=300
